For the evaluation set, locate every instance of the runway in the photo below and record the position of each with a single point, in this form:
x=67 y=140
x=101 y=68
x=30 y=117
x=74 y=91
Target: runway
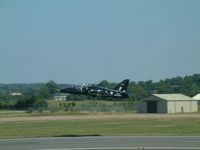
x=104 y=143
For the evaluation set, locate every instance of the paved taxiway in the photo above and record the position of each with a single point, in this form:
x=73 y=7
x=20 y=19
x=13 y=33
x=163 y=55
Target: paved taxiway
x=104 y=143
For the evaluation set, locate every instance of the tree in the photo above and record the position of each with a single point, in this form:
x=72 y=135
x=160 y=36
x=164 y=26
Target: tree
x=48 y=90
x=104 y=83
x=30 y=102
x=51 y=86
x=44 y=93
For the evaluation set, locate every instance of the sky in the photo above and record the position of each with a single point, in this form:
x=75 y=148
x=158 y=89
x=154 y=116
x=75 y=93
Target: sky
x=75 y=41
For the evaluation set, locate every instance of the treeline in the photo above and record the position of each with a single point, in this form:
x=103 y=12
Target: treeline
x=23 y=103
x=36 y=95
x=188 y=85
x=32 y=96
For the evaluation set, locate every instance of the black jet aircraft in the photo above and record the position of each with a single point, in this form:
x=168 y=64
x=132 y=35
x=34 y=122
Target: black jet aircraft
x=120 y=91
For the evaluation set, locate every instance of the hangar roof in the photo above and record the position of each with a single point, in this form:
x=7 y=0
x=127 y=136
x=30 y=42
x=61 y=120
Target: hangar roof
x=168 y=97
x=173 y=96
x=197 y=97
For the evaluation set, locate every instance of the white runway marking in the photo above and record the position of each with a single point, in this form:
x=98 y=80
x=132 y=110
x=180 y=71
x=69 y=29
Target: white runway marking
x=129 y=148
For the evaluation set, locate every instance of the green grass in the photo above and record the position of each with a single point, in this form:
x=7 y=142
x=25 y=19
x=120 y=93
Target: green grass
x=100 y=127
x=83 y=102
x=94 y=105
x=12 y=113
x=56 y=104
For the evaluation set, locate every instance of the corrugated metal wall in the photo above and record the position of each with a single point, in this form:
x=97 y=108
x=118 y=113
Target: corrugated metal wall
x=182 y=106
x=164 y=106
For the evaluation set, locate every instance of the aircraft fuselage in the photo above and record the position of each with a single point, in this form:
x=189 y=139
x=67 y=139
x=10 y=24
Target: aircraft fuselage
x=118 y=92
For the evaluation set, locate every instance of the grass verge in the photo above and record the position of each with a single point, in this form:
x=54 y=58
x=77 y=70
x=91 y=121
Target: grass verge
x=61 y=128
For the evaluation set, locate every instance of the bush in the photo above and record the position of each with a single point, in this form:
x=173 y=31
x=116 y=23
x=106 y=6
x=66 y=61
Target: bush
x=30 y=102
x=29 y=110
x=70 y=106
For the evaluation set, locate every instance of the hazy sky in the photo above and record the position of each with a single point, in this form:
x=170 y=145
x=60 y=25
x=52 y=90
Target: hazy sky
x=91 y=40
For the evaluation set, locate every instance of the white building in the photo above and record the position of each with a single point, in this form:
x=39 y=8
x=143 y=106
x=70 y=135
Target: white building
x=167 y=103
x=15 y=94
x=197 y=97
x=60 y=96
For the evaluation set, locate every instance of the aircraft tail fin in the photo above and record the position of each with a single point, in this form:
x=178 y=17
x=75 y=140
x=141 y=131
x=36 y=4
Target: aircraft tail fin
x=122 y=86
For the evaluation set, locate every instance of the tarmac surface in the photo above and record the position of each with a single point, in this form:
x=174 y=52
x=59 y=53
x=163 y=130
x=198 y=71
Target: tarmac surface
x=104 y=143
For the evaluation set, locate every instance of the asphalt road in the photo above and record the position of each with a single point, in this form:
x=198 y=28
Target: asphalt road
x=104 y=143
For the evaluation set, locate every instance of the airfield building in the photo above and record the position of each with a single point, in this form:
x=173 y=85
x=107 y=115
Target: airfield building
x=60 y=96
x=197 y=97
x=15 y=94
x=167 y=103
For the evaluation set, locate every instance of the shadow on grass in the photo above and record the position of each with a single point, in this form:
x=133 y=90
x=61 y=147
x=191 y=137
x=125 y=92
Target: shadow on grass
x=76 y=135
